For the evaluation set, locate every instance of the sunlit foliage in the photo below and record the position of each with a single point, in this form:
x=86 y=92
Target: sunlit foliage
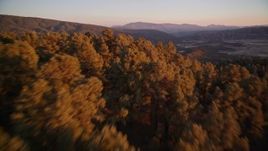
x=111 y=92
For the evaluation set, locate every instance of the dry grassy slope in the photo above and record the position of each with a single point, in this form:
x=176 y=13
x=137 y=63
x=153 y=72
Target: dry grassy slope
x=22 y=24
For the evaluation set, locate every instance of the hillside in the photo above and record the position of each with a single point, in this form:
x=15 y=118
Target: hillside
x=23 y=24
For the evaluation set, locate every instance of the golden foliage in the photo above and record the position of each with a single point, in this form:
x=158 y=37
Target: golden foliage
x=17 y=57
x=61 y=67
x=110 y=139
x=78 y=91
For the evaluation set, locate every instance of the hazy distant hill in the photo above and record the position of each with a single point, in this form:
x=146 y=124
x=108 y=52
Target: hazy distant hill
x=257 y=32
x=152 y=35
x=22 y=24
x=173 y=28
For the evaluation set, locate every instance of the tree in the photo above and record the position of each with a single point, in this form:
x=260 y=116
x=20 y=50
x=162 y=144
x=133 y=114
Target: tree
x=194 y=139
x=61 y=67
x=18 y=64
x=110 y=139
x=17 y=57
x=90 y=60
x=10 y=143
x=53 y=114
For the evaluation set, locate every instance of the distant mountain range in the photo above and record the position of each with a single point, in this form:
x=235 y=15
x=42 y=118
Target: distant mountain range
x=173 y=28
x=150 y=31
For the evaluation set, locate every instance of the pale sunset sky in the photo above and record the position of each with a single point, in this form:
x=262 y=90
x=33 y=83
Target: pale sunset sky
x=118 y=12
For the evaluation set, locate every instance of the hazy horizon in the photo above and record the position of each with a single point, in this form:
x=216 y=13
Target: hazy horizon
x=120 y=12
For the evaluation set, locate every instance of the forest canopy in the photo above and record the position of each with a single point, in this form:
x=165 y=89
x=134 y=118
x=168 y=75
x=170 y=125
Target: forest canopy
x=111 y=92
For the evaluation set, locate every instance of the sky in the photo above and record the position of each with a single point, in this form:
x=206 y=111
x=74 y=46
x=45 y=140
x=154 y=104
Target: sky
x=118 y=12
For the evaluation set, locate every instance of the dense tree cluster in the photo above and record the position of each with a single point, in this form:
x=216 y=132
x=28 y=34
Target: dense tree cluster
x=78 y=91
